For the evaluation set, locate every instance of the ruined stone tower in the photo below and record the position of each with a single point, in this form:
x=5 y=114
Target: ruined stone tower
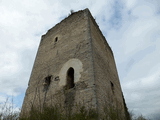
x=74 y=64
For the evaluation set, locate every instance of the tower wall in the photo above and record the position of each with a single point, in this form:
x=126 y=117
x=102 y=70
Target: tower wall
x=108 y=89
x=74 y=50
x=63 y=46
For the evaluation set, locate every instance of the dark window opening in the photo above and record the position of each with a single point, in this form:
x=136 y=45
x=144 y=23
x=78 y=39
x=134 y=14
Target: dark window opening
x=70 y=78
x=112 y=86
x=47 y=81
x=56 y=39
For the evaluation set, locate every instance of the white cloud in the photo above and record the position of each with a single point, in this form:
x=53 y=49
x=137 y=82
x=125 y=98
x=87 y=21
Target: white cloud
x=143 y=94
x=136 y=47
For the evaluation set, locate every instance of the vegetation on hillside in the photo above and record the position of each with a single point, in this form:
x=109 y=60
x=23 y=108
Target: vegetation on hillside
x=9 y=112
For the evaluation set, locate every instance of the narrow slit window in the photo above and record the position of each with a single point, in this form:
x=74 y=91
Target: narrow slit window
x=112 y=86
x=56 y=39
x=70 y=78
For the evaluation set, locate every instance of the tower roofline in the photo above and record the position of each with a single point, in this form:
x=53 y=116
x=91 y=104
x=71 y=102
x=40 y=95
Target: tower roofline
x=66 y=18
x=94 y=22
x=86 y=10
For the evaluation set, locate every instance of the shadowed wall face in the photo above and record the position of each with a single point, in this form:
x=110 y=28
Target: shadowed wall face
x=108 y=89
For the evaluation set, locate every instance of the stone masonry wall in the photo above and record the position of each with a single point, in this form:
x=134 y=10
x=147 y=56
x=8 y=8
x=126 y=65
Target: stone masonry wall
x=63 y=46
x=108 y=89
x=74 y=43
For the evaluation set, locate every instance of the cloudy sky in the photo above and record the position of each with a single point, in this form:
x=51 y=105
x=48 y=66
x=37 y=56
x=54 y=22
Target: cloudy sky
x=131 y=27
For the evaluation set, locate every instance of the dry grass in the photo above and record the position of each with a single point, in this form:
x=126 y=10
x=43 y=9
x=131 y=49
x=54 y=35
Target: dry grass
x=8 y=112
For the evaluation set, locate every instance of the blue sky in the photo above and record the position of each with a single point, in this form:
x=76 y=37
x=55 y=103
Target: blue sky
x=132 y=29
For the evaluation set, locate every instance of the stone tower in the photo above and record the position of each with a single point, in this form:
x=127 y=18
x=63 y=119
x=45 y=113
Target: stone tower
x=74 y=64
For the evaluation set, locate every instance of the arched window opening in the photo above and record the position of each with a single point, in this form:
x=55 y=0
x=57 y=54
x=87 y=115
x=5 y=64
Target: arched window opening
x=70 y=78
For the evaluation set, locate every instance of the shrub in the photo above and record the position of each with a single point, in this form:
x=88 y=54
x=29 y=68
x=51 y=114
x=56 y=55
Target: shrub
x=8 y=111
